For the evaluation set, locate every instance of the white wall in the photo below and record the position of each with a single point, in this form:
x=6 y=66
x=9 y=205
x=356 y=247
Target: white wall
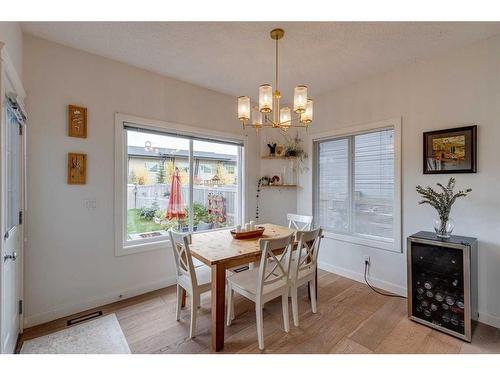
x=70 y=261
x=274 y=203
x=458 y=88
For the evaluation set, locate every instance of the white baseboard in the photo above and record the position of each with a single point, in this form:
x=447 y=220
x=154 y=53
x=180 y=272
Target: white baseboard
x=73 y=308
x=491 y=320
x=384 y=285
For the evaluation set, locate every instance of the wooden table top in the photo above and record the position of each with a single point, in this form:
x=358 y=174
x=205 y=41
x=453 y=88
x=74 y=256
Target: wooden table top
x=220 y=247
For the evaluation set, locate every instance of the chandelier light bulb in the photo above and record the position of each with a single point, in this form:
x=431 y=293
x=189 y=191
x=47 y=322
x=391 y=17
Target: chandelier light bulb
x=285 y=116
x=256 y=116
x=265 y=98
x=307 y=116
x=300 y=99
x=244 y=108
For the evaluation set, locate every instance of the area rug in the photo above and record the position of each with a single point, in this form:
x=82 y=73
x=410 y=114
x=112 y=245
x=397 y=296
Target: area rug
x=99 y=336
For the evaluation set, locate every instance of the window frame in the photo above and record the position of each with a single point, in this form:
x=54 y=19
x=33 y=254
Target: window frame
x=395 y=244
x=124 y=247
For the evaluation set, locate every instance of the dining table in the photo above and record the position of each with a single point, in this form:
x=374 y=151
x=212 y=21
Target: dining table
x=220 y=251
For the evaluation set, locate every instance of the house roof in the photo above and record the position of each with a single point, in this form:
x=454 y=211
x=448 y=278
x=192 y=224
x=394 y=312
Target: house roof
x=142 y=152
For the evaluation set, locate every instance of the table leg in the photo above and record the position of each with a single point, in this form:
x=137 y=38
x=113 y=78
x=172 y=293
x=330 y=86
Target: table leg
x=218 y=305
x=183 y=301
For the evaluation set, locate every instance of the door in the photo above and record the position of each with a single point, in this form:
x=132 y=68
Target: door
x=12 y=231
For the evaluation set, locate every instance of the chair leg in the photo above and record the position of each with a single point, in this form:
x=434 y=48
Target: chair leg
x=295 y=306
x=230 y=306
x=286 y=315
x=260 y=325
x=179 y=303
x=194 y=309
x=312 y=289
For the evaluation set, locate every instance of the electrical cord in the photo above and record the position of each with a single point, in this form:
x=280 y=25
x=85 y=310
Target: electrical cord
x=378 y=291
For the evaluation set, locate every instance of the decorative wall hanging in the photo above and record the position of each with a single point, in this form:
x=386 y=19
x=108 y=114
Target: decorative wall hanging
x=450 y=150
x=77 y=169
x=280 y=151
x=77 y=121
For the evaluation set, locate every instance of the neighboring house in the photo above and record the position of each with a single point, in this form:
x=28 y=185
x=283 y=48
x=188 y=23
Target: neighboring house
x=205 y=163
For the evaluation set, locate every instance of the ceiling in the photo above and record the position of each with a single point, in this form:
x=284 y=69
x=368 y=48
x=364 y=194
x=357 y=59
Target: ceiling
x=236 y=57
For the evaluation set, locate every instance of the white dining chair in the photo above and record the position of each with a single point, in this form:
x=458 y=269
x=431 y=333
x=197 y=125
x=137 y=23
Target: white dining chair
x=194 y=280
x=299 y=222
x=265 y=283
x=304 y=267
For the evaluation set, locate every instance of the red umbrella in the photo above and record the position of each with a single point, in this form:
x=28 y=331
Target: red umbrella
x=175 y=204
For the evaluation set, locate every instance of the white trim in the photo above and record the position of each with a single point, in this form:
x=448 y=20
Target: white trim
x=358 y=276
x=94 y=302
x=491 y=320
x=395 y=123
x=161 y=243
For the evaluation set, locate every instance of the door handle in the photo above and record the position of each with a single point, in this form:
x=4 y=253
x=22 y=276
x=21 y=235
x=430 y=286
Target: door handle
x=12 y=257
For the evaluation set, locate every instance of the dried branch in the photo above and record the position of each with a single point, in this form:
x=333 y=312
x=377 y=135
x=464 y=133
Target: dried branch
x=441 y=201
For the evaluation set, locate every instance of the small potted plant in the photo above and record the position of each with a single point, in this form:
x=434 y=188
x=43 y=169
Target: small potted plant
x=442 y=202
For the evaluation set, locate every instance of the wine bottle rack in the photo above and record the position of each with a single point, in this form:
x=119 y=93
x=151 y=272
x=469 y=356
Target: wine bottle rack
x=442 y=282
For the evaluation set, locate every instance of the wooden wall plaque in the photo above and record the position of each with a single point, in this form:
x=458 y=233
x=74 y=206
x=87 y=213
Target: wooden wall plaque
x=77 y=121
x=77 y=169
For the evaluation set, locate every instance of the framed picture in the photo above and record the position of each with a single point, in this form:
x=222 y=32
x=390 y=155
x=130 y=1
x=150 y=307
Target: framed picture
x=77 y=169
x=77 y=121
x=451 y=150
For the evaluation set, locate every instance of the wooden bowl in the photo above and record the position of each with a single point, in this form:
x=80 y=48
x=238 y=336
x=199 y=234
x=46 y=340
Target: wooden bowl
x=246 y=235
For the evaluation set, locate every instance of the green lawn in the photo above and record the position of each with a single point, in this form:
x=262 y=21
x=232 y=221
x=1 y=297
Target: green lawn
x=137 y=224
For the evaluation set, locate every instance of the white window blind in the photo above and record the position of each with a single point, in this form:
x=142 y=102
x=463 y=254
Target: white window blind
x=354 y=192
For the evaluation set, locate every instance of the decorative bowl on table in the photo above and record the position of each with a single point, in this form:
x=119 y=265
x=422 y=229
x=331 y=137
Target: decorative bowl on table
x=248 y=234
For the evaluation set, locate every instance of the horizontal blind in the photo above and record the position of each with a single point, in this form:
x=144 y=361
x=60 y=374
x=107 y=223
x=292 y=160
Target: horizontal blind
x=332 y=209
x=354 y=192
x=374 y=184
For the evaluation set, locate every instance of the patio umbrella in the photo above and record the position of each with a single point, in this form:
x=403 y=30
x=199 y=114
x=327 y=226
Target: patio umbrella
x=175 y=204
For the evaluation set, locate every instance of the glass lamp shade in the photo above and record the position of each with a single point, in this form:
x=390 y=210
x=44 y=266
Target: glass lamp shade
x=256 y=116
x=307 y=116
x=300 y=99
x=285 y=116
x=265 y=98
x=244 y=108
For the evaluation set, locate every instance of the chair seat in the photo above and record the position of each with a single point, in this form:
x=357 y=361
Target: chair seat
x=304 y=275
x=247 y=281
x=203 y=278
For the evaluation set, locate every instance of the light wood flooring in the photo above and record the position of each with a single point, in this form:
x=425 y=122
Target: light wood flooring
x=351 y=319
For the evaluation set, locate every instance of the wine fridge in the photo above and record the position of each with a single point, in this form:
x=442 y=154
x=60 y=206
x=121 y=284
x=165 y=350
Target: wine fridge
x=442 y=282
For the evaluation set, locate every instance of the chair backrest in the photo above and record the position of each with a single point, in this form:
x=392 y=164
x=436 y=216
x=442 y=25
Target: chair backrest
x=307 y=250
x=274 y=268
x=300 y=222
x=182 y=255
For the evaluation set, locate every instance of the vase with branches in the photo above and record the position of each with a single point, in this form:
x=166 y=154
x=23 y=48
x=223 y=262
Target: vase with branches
x=442 y=202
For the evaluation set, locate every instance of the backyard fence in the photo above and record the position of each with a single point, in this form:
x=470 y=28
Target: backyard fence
x=139 y=196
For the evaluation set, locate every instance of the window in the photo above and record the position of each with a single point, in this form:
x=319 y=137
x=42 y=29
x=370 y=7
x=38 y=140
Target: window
x=178 y=180
x=357 y=186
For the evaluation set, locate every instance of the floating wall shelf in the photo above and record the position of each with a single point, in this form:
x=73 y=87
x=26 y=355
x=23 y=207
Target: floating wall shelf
x=279 y=186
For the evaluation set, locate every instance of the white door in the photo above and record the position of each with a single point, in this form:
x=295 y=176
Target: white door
x=10 y=261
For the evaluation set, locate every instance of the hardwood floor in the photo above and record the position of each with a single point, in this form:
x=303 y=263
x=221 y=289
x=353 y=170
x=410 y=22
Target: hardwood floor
x=351 y=319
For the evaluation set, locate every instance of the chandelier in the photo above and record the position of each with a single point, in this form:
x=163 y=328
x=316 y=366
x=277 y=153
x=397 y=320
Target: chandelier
x=269 y=113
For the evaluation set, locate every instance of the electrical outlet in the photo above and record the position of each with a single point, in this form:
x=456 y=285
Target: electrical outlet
x=90 y=204
x=367 y=259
